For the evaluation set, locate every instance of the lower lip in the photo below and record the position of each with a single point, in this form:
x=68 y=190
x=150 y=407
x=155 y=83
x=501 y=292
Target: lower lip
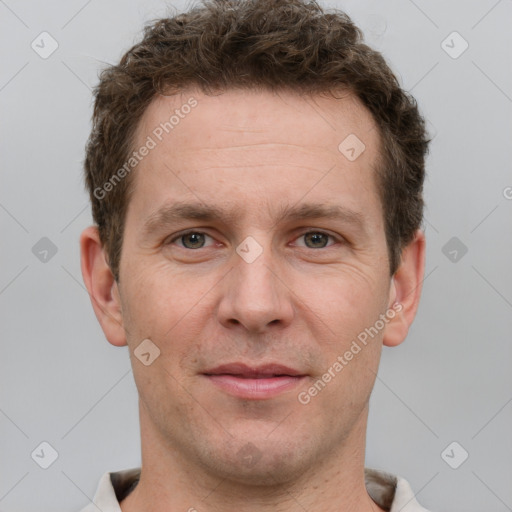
x=255 y=389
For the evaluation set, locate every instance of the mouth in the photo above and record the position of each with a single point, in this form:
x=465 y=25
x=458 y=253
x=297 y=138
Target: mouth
x=254 y=382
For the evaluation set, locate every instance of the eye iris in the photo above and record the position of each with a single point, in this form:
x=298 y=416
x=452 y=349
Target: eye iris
x=197 y=240
x=317 y=238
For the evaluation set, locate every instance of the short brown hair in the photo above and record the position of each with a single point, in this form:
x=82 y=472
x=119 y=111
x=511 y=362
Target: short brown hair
x=268 y=44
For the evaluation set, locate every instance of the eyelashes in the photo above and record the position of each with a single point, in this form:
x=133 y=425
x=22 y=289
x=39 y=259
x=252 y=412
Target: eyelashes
x=195 y=239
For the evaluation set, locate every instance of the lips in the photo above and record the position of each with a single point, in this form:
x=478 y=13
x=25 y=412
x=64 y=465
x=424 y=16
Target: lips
x=243 y=371
x=254 y=383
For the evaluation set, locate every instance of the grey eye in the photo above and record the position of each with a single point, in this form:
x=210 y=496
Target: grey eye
x=317 y=239
x=192 y=240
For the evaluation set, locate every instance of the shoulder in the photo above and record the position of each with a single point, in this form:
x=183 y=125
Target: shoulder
x=391 y=492
x=112 y=488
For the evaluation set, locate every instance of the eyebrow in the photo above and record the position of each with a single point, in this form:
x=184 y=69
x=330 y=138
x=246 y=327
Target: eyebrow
x=168 y=215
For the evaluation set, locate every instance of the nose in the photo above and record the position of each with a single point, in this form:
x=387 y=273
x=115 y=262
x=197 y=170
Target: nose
x=255 y=295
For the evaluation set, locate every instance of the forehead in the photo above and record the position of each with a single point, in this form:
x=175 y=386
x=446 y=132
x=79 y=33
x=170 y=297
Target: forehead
x=255 y=115
x=258 y=139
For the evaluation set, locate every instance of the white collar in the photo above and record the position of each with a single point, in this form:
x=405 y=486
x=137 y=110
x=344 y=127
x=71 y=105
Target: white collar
x=390 y=492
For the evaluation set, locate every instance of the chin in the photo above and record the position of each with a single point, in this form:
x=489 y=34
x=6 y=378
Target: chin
x=259 y=461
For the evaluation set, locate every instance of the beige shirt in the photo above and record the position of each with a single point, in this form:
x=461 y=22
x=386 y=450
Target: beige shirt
x=390 y=492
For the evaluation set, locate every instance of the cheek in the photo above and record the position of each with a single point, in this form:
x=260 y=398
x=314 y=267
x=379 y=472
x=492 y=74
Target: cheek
x=347 y=300
x=348 y=305
x=169 y=308
x=148 y=294
x=143 y=306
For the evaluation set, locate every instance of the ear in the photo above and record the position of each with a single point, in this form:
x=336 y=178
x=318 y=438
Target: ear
x=405 y=291
x=102 y=287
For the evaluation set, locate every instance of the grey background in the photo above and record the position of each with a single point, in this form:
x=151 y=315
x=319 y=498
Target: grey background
x=62 y=383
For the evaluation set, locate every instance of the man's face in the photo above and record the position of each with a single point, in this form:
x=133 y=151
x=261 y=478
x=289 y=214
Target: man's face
x=290 y=270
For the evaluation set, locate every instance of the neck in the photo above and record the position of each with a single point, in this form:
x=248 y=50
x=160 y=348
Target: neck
x=169 y=481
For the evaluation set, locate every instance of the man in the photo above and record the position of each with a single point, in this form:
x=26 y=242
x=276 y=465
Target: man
x=256 y=176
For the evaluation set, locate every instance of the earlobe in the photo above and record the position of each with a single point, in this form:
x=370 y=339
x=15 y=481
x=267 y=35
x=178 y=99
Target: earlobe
x=102 y=287
x=405 y=291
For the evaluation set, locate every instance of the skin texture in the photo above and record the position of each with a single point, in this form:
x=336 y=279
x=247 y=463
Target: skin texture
x=299 y=304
